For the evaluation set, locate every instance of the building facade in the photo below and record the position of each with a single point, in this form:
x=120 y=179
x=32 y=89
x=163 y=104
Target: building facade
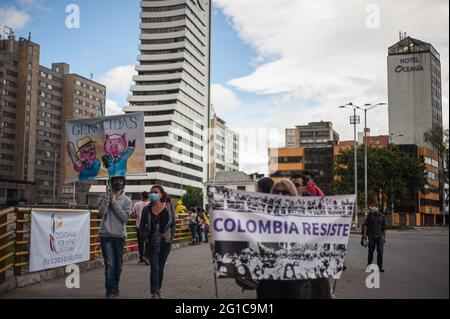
x=284 y=162
x=415 y=96
x=172 y=89
x=415 y=102
x=315 y=134
x=224 y=148
x=34 y=102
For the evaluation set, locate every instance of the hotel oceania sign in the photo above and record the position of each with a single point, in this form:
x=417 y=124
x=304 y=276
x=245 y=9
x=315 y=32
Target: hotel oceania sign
x=410 y=64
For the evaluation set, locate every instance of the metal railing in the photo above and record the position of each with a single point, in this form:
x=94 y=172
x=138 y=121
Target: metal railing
x=15 y=231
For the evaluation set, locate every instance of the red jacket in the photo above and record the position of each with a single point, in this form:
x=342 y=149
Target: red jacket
x=314 y=190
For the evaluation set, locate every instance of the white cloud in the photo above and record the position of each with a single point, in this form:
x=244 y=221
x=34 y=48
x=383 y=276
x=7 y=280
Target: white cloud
x=319 y=55
x=324 y=52
x=223 y=99
x=13 y=18
x=119 y=79
x=34 y=4
x=113 y=108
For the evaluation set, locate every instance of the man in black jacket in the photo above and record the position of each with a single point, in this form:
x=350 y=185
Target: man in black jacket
x=374 y=228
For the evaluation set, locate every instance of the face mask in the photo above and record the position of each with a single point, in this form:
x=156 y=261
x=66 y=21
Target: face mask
x=117 y=187
x=154 y=197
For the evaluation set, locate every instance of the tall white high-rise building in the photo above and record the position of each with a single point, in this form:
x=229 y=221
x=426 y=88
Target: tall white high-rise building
x=415 y=96
x=172 y=88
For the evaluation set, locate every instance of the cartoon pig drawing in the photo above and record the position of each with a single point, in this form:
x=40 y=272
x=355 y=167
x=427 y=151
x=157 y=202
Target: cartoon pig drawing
x=118 y=151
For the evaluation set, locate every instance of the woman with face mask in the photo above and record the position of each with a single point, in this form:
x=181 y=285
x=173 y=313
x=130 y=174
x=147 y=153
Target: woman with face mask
x=159 y=222
x=115 y=209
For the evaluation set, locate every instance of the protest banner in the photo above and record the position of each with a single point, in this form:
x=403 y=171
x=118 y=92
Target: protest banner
x=59 y=239
x=271 y=237
x=104 y=147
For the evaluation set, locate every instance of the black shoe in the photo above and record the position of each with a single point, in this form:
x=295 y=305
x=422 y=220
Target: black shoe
x=146 y=261
x=381 y=270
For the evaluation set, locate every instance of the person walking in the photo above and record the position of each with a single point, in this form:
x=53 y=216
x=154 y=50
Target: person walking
x=200 y=226
x=137 y=212
x=374 y=229
x=115 y=209
x=193 y=221
x=158 y=221
x=206 y=228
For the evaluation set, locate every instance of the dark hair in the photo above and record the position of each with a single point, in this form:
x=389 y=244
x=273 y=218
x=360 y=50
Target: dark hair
x=302 y=176
x=145 y=195
x=164 y=196
x=121 y=177
x=308 y=174
x=265 y=185
x=291 y=267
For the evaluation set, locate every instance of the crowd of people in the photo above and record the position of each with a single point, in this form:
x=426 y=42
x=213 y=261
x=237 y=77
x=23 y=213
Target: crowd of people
x=199 y=225
x=156 y=225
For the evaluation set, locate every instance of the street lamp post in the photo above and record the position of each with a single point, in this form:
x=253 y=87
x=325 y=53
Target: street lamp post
x=54 y=173
x=365 y=108
x=354 y=121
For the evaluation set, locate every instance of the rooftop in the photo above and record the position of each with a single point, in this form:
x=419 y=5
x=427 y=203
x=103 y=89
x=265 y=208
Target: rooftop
x=230 y=177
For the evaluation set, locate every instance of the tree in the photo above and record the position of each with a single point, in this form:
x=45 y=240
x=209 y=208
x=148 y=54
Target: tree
x=440 y=141
x=392 y=175
x=193 y=197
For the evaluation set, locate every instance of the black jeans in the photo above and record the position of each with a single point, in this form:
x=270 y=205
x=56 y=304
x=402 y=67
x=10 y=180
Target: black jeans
x=112 y=249
x=157 y=264
x=194 y=233
x=377 y=243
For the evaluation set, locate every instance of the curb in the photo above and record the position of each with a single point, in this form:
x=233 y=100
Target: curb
x=32 y=279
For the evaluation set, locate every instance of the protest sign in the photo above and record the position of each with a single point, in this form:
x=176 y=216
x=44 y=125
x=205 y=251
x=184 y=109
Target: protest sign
x=59 y=239
x=271 y=237
x=104 y=147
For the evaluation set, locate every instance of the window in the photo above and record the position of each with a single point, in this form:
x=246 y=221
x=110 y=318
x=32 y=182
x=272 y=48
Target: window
x=241 y=188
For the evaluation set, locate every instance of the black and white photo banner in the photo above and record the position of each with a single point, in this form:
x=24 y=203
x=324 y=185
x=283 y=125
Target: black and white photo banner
x=271 y=237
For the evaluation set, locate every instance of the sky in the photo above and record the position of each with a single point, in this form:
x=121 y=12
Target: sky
x=275 y=64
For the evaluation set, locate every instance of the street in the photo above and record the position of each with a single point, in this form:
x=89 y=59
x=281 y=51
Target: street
x=416 y=263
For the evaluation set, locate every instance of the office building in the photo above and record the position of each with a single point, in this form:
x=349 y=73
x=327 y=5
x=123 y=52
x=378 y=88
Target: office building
x=224 y=148
x=415 y=96
x=34 y=102
x=315 y=134
x=172 y=89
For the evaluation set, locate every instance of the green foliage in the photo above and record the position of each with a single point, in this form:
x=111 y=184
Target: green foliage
x=392 y=175
x=193 y=197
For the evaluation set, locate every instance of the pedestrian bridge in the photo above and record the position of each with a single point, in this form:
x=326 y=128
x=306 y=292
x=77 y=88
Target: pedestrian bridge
x=189 y=273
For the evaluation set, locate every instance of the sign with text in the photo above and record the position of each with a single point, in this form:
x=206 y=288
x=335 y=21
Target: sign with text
x=271 y=237
x=105 y=147
x=59 y=239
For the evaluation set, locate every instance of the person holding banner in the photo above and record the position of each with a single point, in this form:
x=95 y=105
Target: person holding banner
x=115 y=209
x=305 y=185
x=158 y=224
x=291 y=288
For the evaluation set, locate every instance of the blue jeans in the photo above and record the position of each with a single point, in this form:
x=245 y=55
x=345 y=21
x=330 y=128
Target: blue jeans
x=157 y=264
x=112 y=249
